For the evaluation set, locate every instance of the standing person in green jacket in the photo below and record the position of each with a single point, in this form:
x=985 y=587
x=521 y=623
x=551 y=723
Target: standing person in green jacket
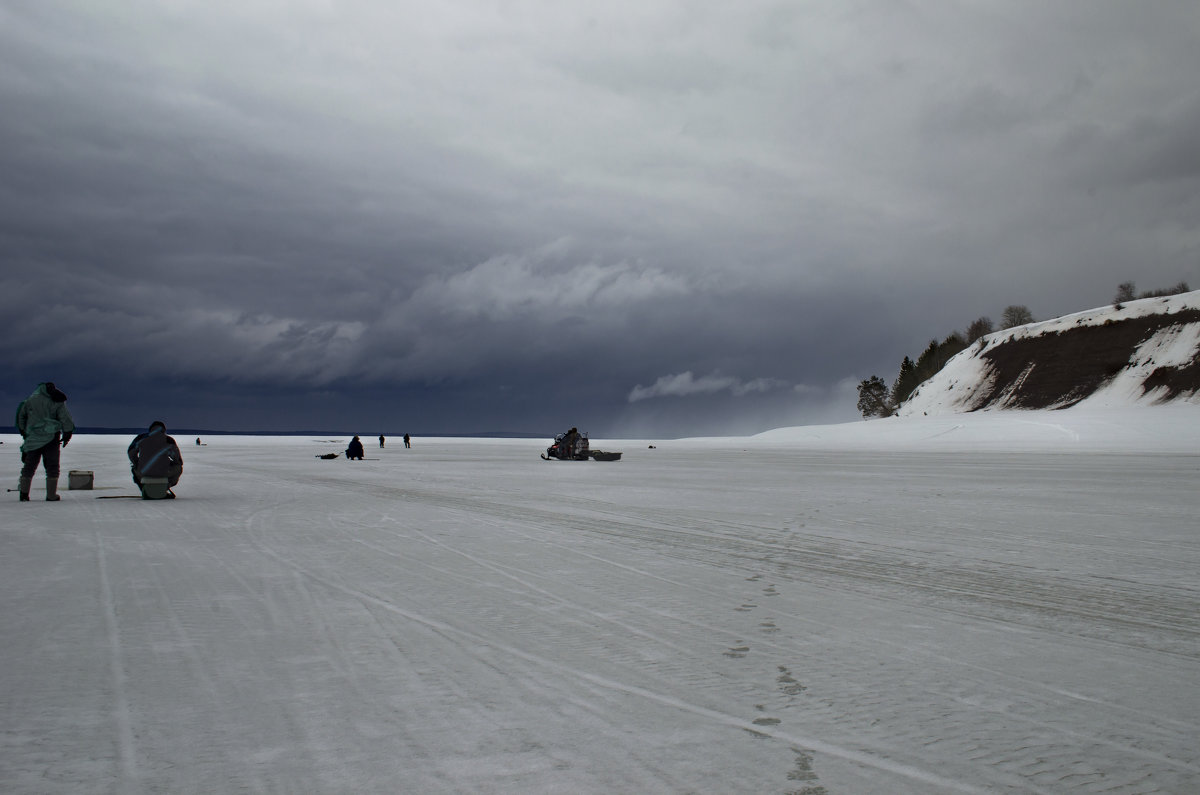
x=44 y=423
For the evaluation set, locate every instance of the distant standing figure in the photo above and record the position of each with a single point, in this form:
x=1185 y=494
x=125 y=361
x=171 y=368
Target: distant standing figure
x=355 y=450
x=407 y=440
x=197 y=441
x=155 y=462
x=44 y=424
x=381 y=441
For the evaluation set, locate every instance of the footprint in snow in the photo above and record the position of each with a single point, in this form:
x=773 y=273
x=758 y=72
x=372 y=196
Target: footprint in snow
x=788 y=683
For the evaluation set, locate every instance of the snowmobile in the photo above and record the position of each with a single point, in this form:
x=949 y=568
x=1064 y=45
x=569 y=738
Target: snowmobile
x=574 y=446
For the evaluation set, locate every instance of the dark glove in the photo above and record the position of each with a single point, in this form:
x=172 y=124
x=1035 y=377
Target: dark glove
x=66 y=438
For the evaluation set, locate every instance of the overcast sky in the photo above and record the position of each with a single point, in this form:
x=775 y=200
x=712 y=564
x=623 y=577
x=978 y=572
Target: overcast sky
x=649 y=218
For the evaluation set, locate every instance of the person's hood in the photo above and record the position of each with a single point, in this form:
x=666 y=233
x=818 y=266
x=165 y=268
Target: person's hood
x=48 y=389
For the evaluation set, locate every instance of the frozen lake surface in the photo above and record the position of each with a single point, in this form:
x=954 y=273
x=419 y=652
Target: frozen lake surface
x=801 y=612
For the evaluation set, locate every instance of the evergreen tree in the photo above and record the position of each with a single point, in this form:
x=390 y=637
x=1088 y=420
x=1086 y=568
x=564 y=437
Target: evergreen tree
x=873 y=398
x=950 y=347
x=926 y=364
x=906 y=382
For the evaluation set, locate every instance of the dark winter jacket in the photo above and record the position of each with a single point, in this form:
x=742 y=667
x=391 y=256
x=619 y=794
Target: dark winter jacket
x=355 y=450
x=153 y=454
x=42 y=415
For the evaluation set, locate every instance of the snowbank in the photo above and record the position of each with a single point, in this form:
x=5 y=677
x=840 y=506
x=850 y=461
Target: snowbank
x=1173 y=428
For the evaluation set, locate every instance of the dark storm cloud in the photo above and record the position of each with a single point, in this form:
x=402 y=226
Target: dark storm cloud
x=665 y=217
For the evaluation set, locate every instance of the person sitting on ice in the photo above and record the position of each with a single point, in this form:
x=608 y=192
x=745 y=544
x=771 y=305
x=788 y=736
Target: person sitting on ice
x=155 y=462
x=355 y=450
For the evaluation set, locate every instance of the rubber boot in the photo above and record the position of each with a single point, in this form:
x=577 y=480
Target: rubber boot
x=52 y=490
x=23 y=488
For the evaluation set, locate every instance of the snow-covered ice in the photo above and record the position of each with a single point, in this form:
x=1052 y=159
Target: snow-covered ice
x=995 y=602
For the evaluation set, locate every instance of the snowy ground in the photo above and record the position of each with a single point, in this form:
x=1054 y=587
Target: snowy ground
x=999 y=603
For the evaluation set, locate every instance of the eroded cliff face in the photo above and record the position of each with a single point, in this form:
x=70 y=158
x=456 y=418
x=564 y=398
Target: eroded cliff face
x=1145 y=352
x=1060 y=369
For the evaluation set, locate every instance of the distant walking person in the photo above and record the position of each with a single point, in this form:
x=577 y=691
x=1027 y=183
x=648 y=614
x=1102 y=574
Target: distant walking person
x=44 y=424
x=407 y=440
x=155 y=462
x=381 y=441
x=355 y=450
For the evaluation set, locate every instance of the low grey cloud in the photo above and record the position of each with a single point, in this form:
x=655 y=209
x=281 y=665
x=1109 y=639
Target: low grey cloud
x=547 y=283
x=684 y=384
x=521 y=216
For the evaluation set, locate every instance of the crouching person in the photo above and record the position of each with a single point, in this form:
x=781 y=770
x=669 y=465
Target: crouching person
x=155 y=462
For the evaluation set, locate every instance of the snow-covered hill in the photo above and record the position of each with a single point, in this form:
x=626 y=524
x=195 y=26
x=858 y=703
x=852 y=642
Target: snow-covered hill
x=1143 y=353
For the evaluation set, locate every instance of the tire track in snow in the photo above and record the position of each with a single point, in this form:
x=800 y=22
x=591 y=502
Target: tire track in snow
x=783 y=569
x=841 y=752
x=596 y=646
x=601 y=650
x=523 y=578
x=864 y=564
x=324 y=647
x=460 y=689
x=1024 y=690
x=126 y=747
x=1129 y=608
x=990 y=676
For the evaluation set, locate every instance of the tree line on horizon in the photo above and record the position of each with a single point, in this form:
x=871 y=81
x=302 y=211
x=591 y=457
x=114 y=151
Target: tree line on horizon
x=1127 y=291
x=877 y=399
